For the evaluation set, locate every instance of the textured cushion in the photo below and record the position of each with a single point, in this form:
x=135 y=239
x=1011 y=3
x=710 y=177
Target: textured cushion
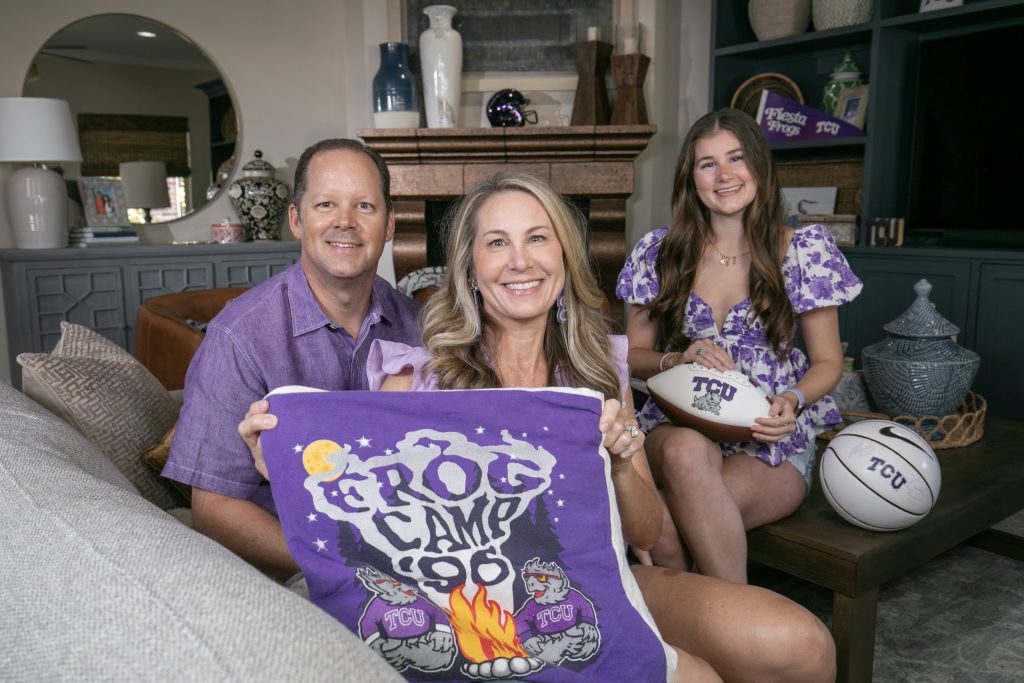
x=99 y=584
x=102 y=391
x=155 y=457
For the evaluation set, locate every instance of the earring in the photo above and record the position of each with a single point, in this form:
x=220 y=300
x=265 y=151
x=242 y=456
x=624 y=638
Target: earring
x=472 y=284
x=561 y=315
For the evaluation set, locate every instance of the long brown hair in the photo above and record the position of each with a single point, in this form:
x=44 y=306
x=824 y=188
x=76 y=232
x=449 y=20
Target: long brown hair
x=690 y=232
x=453 y=319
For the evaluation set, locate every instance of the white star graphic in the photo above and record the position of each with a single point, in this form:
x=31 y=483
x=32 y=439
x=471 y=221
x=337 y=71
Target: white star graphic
x=334 y=494
x=561 y=476
x=524 y=435
x=556 y=519
x=560 y=503
x=504 y=480
x=388 y=451
x=550 y=492
x=480 y=430
x=320 y=544
x=311 y=516
x=297 y=448
x=363 y=442
x=546 y=429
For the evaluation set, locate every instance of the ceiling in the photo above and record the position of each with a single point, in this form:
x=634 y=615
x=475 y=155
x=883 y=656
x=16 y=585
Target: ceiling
x=114 y=39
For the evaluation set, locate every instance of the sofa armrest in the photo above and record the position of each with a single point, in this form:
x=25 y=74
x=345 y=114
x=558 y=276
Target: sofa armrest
x=169 y=329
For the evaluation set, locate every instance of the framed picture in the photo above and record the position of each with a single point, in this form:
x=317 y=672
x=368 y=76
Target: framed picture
x=930 y=5
x=852 y=106
x=801 y=201
x=103 y=201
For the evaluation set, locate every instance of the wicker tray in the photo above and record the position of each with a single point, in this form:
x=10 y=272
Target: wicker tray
x=964 y=427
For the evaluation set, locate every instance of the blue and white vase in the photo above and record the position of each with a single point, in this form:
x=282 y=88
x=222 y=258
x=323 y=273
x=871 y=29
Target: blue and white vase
x=441 y=62
x=396 y=99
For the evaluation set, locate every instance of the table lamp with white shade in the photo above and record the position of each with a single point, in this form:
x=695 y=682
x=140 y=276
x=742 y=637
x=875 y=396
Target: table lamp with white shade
x=37 y=129
x=145 y=185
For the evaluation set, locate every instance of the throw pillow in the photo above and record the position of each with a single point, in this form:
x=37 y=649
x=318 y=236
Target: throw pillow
x=464 y=535
x=106 y=394
x=155 y=457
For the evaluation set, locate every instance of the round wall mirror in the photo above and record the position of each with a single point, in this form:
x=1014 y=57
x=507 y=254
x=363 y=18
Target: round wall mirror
x=140 y=92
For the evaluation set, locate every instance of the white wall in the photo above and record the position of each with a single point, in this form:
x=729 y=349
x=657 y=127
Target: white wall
x=299 y=72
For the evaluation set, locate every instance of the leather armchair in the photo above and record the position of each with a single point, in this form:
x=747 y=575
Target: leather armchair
x=169 y=328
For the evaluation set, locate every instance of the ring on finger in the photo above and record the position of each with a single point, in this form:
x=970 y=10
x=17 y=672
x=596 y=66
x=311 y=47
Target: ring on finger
x=700 y=351
x=633 y=431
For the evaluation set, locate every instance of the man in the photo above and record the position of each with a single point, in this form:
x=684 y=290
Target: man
x=310 y=325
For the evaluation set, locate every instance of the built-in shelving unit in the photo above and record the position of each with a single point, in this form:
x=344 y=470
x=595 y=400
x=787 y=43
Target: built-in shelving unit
x=888 y=49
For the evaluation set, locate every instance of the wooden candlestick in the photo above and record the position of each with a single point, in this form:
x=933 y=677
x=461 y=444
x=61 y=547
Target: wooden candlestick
x=629 y=72
x=590 y=106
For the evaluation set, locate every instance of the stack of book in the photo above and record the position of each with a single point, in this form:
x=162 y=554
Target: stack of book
x=91 y=237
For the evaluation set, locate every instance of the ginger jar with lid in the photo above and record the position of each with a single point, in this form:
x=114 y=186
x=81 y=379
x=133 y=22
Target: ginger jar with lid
x=919 y=370
x=259 y=199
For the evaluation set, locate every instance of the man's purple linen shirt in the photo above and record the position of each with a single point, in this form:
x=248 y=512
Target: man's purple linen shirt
x=273 y=335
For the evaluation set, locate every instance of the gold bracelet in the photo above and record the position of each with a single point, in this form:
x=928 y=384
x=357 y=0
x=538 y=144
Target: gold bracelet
x=661 y=365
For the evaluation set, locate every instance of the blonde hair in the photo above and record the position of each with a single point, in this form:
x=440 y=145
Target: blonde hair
x=453 y=321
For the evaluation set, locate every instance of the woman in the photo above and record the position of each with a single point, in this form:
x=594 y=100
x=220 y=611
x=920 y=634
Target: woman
x=519 y=307
x=725 y=286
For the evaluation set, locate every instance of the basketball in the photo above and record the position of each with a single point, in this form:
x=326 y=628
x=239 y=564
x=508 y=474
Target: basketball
x=880 y=475
x=720 y=405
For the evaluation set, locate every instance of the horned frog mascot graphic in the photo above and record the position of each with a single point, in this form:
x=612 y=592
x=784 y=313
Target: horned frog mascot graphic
x=557 y=622
x=403 y=627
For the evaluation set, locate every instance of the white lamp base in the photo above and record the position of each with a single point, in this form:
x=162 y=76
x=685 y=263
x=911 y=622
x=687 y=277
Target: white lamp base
x=37 y=208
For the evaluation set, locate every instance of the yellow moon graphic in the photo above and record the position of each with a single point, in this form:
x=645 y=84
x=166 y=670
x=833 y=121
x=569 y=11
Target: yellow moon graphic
x=314 y=457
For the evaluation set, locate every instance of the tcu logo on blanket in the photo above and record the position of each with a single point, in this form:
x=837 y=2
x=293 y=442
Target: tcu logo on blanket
x=716 y=392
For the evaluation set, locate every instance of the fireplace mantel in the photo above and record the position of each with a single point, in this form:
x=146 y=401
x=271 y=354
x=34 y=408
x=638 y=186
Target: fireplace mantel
x=593 y=165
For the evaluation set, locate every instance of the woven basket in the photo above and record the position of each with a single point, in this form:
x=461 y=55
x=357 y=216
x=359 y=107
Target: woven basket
x=964 y=427
x=838 y=13
x=772 y=19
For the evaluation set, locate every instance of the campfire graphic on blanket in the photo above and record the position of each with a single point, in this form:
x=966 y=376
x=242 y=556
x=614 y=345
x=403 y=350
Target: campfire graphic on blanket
x=462 y=539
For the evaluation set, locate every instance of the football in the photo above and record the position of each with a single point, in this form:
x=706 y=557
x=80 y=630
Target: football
x=720 y=405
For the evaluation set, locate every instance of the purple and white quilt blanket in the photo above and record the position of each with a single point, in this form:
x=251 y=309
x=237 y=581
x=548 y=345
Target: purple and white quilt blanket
x=464 y=535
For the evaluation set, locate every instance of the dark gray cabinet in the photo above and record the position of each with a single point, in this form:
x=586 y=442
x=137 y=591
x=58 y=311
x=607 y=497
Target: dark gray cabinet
x=980 y=291
x=102 y=287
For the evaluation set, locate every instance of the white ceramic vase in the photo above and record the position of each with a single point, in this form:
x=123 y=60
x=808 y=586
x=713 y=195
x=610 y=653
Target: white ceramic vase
x=441 y=63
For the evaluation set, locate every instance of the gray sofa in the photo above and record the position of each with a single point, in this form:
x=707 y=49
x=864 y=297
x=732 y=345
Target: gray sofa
x=98 y=583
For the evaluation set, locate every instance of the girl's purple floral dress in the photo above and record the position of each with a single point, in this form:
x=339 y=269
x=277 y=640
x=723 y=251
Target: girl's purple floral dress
x=816 y=275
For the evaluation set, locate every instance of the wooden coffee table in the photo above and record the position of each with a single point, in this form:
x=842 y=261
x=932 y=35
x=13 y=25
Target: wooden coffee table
x=982 y=484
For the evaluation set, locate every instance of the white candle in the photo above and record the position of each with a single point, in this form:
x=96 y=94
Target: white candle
x=593 y=32
x=629 y=46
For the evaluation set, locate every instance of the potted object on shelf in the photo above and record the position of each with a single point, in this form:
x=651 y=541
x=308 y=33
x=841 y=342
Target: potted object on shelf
x=772 y=19
x=259 y=199
x=838 y=13
x=919 y=370
x=396 y=98
x=441 y=63
x=845 y=75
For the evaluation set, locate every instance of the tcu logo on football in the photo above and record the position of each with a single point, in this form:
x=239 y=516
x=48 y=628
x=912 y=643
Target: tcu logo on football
x=717 y=391
x=889 y=472
x=714 y=386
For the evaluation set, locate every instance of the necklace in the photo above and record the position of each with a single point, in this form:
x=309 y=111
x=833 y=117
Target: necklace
x=728 y=260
